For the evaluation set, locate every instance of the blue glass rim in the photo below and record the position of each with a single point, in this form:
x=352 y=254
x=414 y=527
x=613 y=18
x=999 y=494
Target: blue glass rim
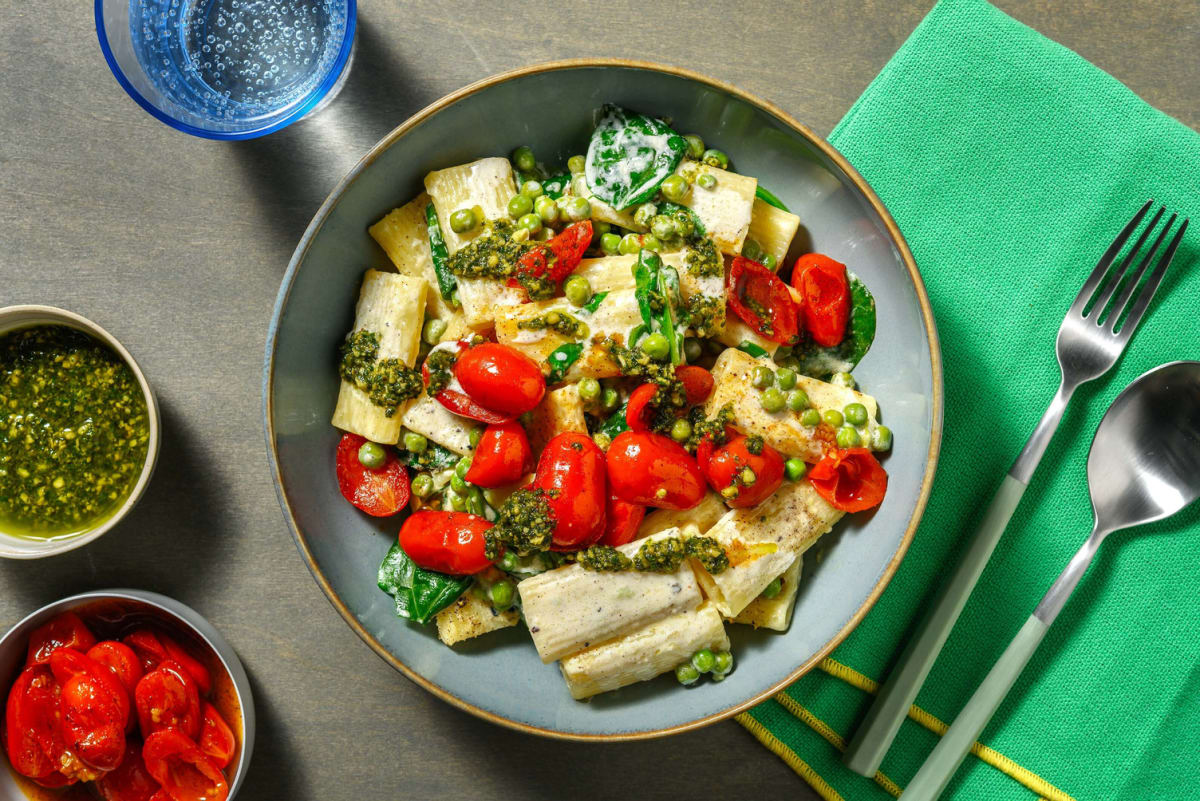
x=315 y=97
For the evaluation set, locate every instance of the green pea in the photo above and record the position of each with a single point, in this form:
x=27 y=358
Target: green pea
x=600 y=228
x=715 y=158
x=610 y=243
x=578 y=290
x=372 y=455
x=769 y=261
x=856 y=414
x=695 y=145
x=462 y=467
x=531 y=222
x=847 y=437
x=422 y=485
x=589 y=389
x=414 y=442
x=773 y=589
x=630 y=244
x=546 y=208
x=577 y=208
x=474 y=435
x=656 y=346
x=723 y=661
x=881 y=439
x=833 y=417
x=523 y=158
x=772 y=400
x=681 y=429
x=692 y=349
x=703 y=660
x=502 y=593
x=762 y=377
x=810 y=417
x=519 y=205
x=457 y=502
x=707 y=181
x=643 y=214
x=508 y=562
x=786 y=378
x=576 y=164
x=675 y=188
x=459 y=485
x=686 y=675
x=532 y=189
x=752 y=250
x=795 y=468
x=749 y=477
x=718 y=677
x=685 y=225
x=651 y=242
x=463 y=220
x=664 y=227
x=843 y=380
x=433 y=330
x=609 y=399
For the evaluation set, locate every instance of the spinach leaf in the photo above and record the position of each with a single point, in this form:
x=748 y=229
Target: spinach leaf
x=434 y=457
x=615 y=423
x=754 y=350
x=561 y=359
x=668 y=287
x=447 y=283
x=644 y=279
x=420 y=594
x=658 y=285
x=556 y=185
x=593 y=304
x=629 y=157
x=766 y=196
x=819 y=362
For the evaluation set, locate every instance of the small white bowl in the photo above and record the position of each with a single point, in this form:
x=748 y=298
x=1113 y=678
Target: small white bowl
x=13 y=547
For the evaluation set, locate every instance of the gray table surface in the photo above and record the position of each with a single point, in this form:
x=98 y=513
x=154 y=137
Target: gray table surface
x=177 y=246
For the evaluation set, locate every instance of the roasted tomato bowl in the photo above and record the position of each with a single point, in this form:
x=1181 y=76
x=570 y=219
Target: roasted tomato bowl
x=605 y=423
x=123 y=695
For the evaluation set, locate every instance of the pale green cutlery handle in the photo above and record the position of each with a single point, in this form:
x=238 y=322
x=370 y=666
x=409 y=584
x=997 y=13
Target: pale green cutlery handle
x=956 y=743
x=866 y=750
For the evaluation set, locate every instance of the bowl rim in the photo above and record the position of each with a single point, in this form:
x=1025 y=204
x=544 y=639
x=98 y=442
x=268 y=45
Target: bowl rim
x=427 y=113
x=36 y=314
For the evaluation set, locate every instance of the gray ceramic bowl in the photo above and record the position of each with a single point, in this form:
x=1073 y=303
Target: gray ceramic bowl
x=231 y=688
x=549 y=107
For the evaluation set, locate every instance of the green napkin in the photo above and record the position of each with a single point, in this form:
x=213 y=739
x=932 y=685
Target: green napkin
x=1010 y=163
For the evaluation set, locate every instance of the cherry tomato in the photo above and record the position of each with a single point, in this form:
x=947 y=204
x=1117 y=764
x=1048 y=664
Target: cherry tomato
x=193 y=666
x=94 y=706
x=185 y=772
x=31 y=723
x=161 y=795
x=851 y=480
x=761 y=299
x=216 y=738
x=380 y=492
x=825 y=297
x=166 y=697
x=130 y=781
x=55 y=780
x=559 y=257
x=654 y=470
x=148 y=648
x=697 y=383
x=571 y=471
x=639 y=412
x=621 y=521
x=448 y=542
x=500 y=379
x=121 y=660
x=66 y=630
x=727 y=465
x=502 y=456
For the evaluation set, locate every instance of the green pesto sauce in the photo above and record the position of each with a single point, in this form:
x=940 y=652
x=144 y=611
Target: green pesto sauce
x=440 y=365
x=386 y=382
x=711 y=427
x=495 y=254
x=636 y=364
x=663 y=555
x=74 y=431
x=706 y=315
x=559 y=322
x=702 y=259
x=525 y=524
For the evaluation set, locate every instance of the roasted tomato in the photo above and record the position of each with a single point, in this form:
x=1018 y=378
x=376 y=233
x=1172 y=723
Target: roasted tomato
x=31 y=732
x=216 y=738
x=502 y=456
x=727 y=467
x=448 y=542
x=571 y=471
x=185 y=772
x=639 y=412
x=130 y=781
x=761 y=299
x=121 y=660
x=621 y=521
x=851 y=480
x=697 y=383
x=558 y=257
x=167 y=697
x=653 y=470
x=193 y=666
x=66 y=630
x=500 y=379
x=148 y=648
x=94 y=706
x=379 y=492
x=825 y=297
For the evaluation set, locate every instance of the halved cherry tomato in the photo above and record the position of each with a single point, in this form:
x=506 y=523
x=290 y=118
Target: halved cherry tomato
x=571 y=471
x=166 y=697
x=216 y=738
x=502 y=456
x=55 y=780
x=66 y=630
x=448 y=542
x=500 y=379
x=639 y=412
x=726 y=467
x=650 y=469
x=825 y=293
x=459 y=402
x=161 y=795
x=121 y=660
x=31 y=723
x=94 y=706
x=130 y=781
x=621 y=521
x=148 y=648
x=558 y=257
x=185 y=772
x=193 y=666
x=697 y=382
x=761 y=299
x=851 y=480
x=378 y=492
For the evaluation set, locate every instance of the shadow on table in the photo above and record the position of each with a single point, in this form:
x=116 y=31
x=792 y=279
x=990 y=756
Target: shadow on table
x=273 y=769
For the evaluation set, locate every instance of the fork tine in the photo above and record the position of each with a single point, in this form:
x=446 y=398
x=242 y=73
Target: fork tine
x=1147 y=293
x=1114 y=316
x=1114 y=281
x=1093 y=280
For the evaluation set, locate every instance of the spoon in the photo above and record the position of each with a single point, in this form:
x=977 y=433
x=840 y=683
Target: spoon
x=1144 y=466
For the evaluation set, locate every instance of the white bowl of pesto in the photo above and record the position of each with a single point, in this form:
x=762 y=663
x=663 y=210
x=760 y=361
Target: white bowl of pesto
x=79 y=431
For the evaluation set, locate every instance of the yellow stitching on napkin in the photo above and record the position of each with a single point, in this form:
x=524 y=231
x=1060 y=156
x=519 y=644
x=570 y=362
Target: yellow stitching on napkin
x=776 y=746
x=989 y=755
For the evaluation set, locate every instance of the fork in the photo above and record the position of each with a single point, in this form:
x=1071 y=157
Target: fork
x=1092 y=336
